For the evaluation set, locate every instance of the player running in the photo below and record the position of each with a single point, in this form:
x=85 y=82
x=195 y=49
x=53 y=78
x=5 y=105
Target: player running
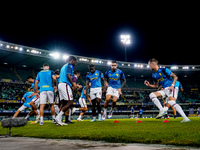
x=44 y=77
x=82 y=103
x=168 y=80
x=26 y=103
x=95 y=77
x=65 y=87
x=116 y=80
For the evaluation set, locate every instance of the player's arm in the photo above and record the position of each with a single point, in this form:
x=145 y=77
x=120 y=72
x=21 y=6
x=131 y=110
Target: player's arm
x=86 y=89
x=175 y=78
x=88 y=98
x=23 y=99
x=36 y=86
x=104 y=84
x=70 y=80
x=154 y=86
x=55 y=83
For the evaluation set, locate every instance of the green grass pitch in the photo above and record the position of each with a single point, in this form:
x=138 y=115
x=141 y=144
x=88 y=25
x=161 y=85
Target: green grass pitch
x=150 y=131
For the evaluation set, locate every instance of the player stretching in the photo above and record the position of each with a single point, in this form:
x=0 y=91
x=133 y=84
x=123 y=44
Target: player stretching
x=26 y=103
x=65 y=88
x=114 y=77
x=45 y=77
x=168 y=80
x=83 y=104
x=95 y=77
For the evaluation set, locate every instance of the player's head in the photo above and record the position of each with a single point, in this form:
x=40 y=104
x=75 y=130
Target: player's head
x=92 y=68
x=77 y=73
x=30 y=79
x=72 y=60
x=114 y=65
x=46 y=66
x=57 y=73
x=153 y=64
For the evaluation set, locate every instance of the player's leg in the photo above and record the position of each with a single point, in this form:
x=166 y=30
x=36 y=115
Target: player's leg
x=43 y=98
x=93 y=110
x=108 y=97
x=18 y=111
x=172 y=102
x=50 y=97
x=83 y=108
x=154 y=97
x=65 y=94
x=114 y=102
x=98 y=102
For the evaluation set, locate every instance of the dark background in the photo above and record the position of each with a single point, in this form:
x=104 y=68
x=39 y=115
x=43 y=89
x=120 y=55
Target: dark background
x=166 y=31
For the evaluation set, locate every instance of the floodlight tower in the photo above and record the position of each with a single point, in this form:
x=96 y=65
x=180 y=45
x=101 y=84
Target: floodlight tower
x=125 y=39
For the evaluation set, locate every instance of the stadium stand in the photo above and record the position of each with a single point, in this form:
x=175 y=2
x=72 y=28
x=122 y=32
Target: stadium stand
x=13 y=74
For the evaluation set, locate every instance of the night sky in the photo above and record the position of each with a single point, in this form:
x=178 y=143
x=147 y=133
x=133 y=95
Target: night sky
x=168 y=32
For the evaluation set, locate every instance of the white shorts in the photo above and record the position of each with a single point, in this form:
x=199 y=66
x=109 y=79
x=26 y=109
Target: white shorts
x=82 y=102
x=36 y=101
x=46 y=95
x=113 y=92
x=65 y=91
x=23 y=108
x=169 y=93
x=95 y=93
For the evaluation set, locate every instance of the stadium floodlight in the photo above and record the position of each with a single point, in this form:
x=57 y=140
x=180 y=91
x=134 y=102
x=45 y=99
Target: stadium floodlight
x=55 y=55
x=20 y=49
x=65 y=57
x=125 y=39
x=109 y=62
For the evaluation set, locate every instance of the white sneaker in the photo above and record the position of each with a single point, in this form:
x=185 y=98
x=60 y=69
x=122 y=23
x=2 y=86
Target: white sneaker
x=37 y=119
x=186 y=120
x=73 y=110
x=64 y=124
x=58 y=122
x=104 y=117
x=110 y=115
x=161 y=113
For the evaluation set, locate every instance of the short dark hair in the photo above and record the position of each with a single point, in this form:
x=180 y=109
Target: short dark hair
x=45 y=65
x=76 y=72
x=29 y=77
x=91 y=65
x=57 y=72
x=153 y=60
x=114 y=61
x=71 y=58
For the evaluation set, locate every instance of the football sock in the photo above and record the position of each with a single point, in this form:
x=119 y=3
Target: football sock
x=59 y=116
x=41 y=118
x=53 y=117
x=155 y=100
x=27 y=116
x=178 y=108
x=105 y=110
x=56 y=109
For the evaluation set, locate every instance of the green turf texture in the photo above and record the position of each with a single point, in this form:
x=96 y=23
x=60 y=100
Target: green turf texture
x=150 y=131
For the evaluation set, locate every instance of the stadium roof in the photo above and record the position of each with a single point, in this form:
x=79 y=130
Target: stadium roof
x=24 y=57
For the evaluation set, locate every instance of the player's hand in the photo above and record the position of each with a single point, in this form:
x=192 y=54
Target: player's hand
x=120 y=91
x=32 y=95
x=55 y=89
x=171 y=87
x=37 y=95
x=74 y=89
x=146 y=83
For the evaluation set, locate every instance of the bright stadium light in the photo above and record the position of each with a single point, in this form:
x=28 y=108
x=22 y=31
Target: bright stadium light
x=125 y=39
x=55 y=55
x=109 y=62
x=65 y=57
